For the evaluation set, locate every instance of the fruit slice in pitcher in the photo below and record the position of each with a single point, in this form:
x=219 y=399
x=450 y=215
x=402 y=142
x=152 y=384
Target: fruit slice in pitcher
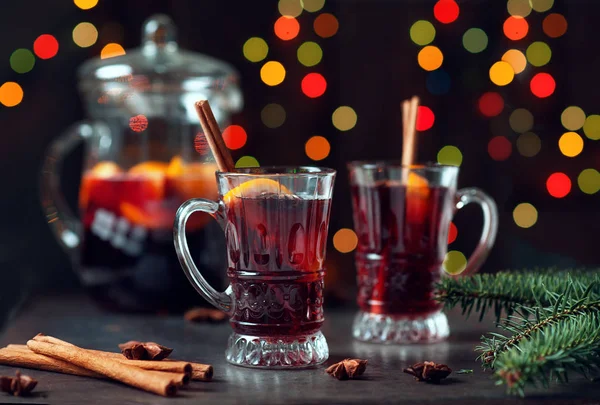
x=102 y=170
x=155 y=174
x=151 y=218
x=192 y=180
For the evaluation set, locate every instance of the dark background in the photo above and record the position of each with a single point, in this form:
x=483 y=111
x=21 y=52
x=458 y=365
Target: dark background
x=371 y=65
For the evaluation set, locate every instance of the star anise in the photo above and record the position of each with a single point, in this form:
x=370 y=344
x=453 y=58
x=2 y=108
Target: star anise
x=19 y=385
x=135 y=350
x=347 y=369
x=205 y=315
x=428 y=371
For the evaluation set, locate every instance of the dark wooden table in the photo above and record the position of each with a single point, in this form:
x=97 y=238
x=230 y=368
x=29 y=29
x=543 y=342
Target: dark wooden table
x=77 y=320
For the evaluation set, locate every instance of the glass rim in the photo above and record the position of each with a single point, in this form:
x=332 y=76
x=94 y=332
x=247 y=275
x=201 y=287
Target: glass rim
x=377 y=164
x=279 y=171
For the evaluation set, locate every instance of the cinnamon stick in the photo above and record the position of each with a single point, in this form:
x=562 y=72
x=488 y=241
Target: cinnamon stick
x=214 y=137
x=409 y=122
x=157 y=382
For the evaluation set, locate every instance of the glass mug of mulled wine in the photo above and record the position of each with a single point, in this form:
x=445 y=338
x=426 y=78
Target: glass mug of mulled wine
x=401 y=216
x=275 y=221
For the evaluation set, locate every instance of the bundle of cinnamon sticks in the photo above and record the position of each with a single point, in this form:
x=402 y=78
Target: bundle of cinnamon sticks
x=162 y=377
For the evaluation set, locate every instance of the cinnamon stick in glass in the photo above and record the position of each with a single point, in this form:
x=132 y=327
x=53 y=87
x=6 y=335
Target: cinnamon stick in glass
x=409 y=124
x=214 y=137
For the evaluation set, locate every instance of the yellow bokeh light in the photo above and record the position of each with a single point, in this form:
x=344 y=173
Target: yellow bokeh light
x=516 y=59
x=450 y=155
x=11 y=94
x=317 y=148
x=247 y=161
x=422 y=32
x=290 y=8
x=455 y=262
x=589 y=181
x=255 y=49
x=273 y=115
x=572 y=118
x=591 y=128
x=85 y=34
x=430 y=58
x=272 y=73
x=501 y=73
x=111 y=50
x=525 y=215
x=344 y=118
x=542 y=5
x=312 y=5
x=521 y=120
x=529 y=144
x=518 y=8
x=570 y=144
x=475 y=40
x=538 y=54
x=345 y=240
x=310 y=54
x=85 y=4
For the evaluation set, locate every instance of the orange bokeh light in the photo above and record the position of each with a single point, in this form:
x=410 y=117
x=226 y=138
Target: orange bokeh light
x=425 y=118
x=286 y=28
x=235 y=137
x=452 y=233
x=558 y=185
x=554 y=25
x=317 y=148
x=111 y=50
x=45 y=46
x=491 y=104
x=326 y=25
x=542 y=85
x=515 y=28
x=313 y=85
x=499 y=148
x=11 y=94
x=446 y=11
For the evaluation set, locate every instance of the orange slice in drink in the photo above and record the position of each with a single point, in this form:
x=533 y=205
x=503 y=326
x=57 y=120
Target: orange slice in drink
x=417 y=198
x=255 y=188
x=101 y=170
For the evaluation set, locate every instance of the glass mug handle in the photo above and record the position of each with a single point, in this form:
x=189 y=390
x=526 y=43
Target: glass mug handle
x=222 y=300
x=490 y=225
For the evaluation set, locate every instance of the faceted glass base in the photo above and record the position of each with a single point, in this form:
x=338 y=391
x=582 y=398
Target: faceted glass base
x=376 y=328
x=277 y=352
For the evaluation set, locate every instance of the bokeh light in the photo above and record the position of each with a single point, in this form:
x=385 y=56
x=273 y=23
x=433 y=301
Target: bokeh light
x=501 y=73
x=290 y=8
x=11 y=94
x=541 y=5
x=515 y=28
x=491 y=104
x=589 y=181
x=538 y=53
x=286 y=28
x=518 y=8
x=138 y=123
x=475 y=40
x=45 y=46
x=313 y=85
x=235 y=137
x=312 y=5
x=499 y=148
x=344 y=118
x=438 y=82
x=525 y=215
x=246 y=161
x=452 y=233
x=516 y=59
x=558 y=185
x=430 y=58
x=85 y=34
x=22 y=60
x=317 y=148
x=455 y=262
x=529 y=144
x=111 y=50
x=345 y=240
x=273 y=115
x=591 y=128
x=255 y=49
x=446 y=11
x=425 y=118
x=326 y=25
x=570 y=144
x=272 y=73
x=542 y=85
x=554 y=25
x=572 y=118
x=521 y=120
x=85 y=4
x=422 y=32
x=449 y=155
x=309 y=54
x=201 y=144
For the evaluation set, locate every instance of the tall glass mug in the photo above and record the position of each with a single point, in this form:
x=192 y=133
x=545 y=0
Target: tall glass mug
x=401 y=216
x=275 y=222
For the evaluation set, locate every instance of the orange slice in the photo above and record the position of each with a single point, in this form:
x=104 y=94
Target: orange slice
x=417 y=186
x=155 y=173
x=105 y=169
x=254 y=188
x=176 y=167
x=156 y=219
x=417 y=199
x=102 y=170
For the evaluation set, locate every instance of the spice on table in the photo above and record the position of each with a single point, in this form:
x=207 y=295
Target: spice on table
x=135 y=350
x=347 y=369
x=19 y=385
x=428 y=371
x=205 y=315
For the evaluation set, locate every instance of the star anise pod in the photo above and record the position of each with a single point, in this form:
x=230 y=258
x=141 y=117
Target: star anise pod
x=205 y=315
x=19 y=385
x=135 y=350
x=428 y=371
x=347 y=369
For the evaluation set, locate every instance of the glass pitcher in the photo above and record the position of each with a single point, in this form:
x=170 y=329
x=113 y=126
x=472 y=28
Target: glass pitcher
x=144 y=156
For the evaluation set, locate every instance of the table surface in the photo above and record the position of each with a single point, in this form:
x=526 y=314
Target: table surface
x=76 y=319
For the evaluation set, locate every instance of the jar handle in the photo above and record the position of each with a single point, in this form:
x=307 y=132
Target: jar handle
x=222 y=300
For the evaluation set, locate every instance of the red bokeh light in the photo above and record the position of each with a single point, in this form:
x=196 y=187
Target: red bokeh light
x=558 y=185
x=286 y=28
x=314 y=85
x=446 y=11
x=138 y=123
x=491 y=104
x=515 y=28
x=425 y=118
x=452 y=233
x=235 y=137
x=499 y=148
x=201 y=144
x=542 y=85
x=45 y=46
